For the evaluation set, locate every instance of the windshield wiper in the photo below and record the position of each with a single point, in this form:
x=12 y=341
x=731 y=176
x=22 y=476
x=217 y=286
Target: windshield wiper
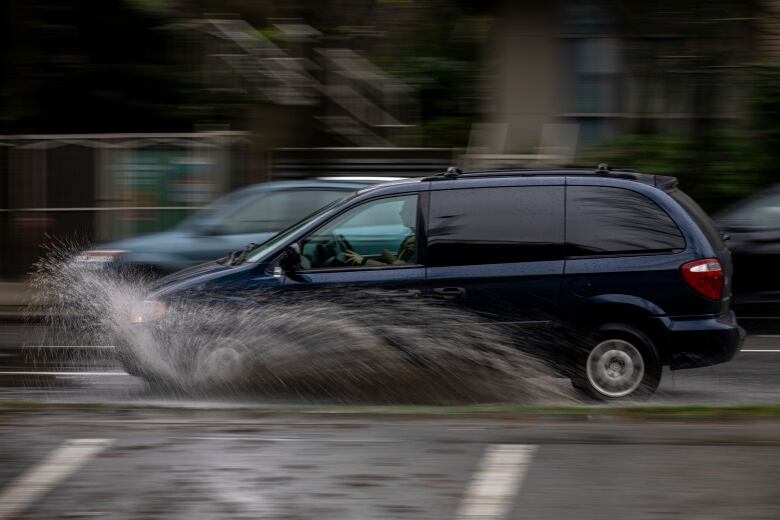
x=237 y=256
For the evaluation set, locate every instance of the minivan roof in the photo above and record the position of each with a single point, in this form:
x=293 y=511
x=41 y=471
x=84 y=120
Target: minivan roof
x=603 y=170
x=663 y=182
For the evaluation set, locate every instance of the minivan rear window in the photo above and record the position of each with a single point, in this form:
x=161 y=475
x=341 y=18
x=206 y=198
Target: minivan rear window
x=700 y=217
x=603 y=220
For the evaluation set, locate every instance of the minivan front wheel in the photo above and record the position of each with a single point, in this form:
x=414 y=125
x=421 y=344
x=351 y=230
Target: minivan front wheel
x=620 y=362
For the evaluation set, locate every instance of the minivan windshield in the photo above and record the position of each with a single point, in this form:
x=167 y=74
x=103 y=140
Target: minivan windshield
x=263 y=250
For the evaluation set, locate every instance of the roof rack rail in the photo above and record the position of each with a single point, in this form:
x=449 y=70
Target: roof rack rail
x=451 y=173
x=602 y=170
x=622 y=173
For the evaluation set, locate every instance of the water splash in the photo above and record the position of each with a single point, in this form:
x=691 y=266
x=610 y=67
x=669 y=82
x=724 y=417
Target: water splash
x=333 y=344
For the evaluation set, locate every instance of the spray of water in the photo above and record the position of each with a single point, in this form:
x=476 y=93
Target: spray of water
x=335 y=345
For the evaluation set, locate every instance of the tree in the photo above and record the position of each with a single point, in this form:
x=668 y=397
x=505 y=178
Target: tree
x=84 y=66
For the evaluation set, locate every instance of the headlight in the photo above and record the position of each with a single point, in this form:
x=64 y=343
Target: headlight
x=148 y=311
x=100 y=257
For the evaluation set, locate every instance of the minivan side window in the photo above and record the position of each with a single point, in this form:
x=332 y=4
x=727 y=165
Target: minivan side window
x=496 y=225
x=603 y=220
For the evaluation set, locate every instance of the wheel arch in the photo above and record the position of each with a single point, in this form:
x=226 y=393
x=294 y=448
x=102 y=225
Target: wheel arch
x=634 y=312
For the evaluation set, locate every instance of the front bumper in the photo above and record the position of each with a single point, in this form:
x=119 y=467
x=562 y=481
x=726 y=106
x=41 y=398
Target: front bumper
x=700 y=341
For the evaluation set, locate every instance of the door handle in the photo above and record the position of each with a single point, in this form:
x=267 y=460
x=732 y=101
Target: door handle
x=449 y=293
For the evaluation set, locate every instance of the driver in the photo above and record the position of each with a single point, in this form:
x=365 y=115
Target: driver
x=407 y=250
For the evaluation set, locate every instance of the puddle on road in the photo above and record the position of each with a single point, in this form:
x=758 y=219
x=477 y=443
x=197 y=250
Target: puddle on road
x=353 y=349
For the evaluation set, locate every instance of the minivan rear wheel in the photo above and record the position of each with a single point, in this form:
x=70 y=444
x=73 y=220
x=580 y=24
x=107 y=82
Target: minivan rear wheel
x=620 y=362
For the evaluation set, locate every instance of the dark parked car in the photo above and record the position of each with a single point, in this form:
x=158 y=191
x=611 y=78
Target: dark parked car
x=622 y=270
x=251 y=214
x=753 y=228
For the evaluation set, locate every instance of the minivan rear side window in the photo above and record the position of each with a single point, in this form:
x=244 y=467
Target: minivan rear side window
x=603 y=220
x=496 y=225
x=700 y=217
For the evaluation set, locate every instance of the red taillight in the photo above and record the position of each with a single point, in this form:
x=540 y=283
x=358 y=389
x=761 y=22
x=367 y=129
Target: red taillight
x=705 y=277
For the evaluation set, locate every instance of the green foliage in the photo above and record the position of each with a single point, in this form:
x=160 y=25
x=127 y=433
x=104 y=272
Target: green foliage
x=734 y=167
x=109 y=66
x=272 y=34
x=439 y=132
x=441 y=56
x=765 y=103
x=722 y=166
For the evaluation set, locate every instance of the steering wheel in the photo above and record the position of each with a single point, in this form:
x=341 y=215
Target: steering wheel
x=343 y=243
x=340 y=246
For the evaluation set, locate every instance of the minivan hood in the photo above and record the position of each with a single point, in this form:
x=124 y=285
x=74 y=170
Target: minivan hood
x=186 y=277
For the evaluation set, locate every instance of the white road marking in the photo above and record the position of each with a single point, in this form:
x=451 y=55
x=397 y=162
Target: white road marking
x=493 y=487
x=40 y=479
x=759 y=350
x=47 y=373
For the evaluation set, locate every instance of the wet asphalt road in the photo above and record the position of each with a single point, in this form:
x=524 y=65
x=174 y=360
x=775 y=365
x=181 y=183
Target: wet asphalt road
x=220 y=464
x=207 y=458
x=29 y=373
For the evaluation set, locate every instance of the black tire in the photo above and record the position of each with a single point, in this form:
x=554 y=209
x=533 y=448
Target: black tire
x=619 y=363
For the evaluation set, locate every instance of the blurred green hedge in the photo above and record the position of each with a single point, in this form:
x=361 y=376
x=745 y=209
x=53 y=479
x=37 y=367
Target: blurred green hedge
x=719 y=165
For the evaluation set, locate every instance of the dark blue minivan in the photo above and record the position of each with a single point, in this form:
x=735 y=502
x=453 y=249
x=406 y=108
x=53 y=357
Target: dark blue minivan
x=616 y=273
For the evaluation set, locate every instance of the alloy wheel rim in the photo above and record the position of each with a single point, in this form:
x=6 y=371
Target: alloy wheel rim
x=615 y=368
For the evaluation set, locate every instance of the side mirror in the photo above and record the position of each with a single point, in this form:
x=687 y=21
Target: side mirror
x=291 y=258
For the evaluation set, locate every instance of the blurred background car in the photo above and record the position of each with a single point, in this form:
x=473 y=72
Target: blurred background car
x=753 y=230
x=252 y=214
